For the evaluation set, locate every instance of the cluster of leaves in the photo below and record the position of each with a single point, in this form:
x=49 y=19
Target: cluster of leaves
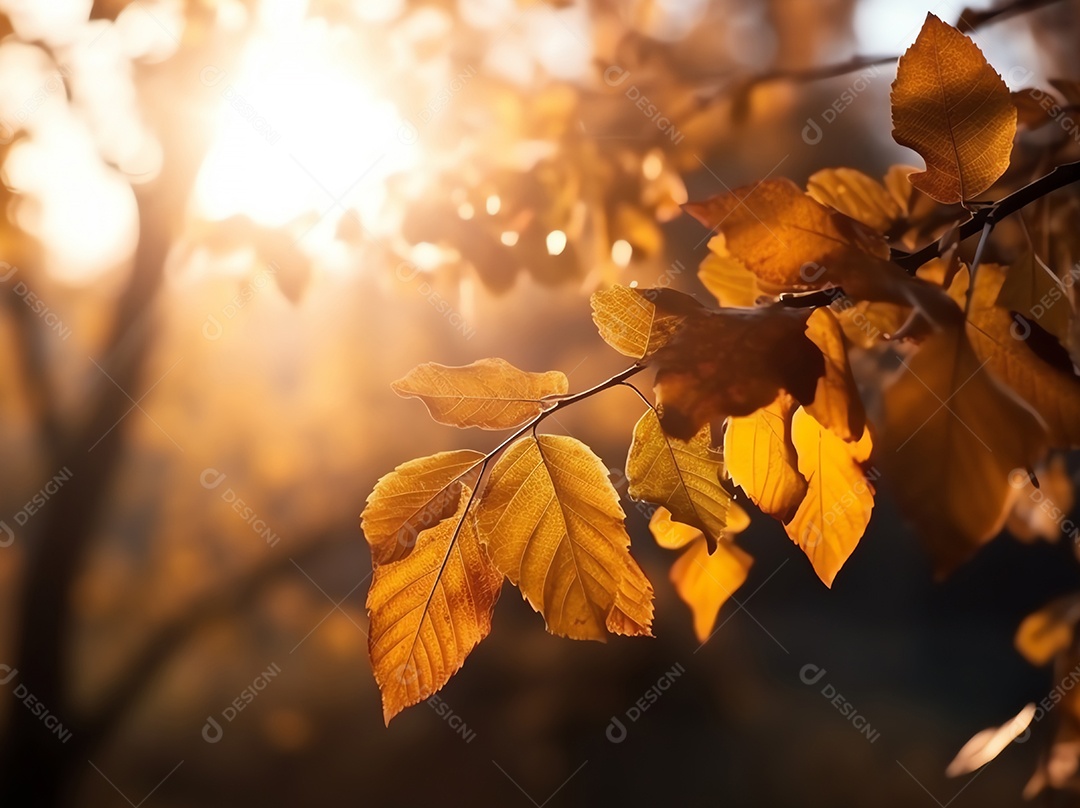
x=760 y=394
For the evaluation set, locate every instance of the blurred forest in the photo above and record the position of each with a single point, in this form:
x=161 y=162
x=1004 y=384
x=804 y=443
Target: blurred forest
x=230 y=224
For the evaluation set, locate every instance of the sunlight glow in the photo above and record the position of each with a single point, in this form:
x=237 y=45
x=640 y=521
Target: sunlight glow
x=300 y=133
x=556 y=242
x=622 y=252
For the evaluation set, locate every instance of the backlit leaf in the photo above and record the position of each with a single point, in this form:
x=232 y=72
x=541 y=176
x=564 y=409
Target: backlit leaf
x=760 y=458
x=429 y=611
x=489 y=393
x=856 y=195
x=1046 y=633
x=950 y=438
x=552 y=523
x=836 y=402
x=839 y=498
x=727 y=278
x=631 y=323
x=951 y=107
x=683 y=476
x=1001 y=342
x=1030 y=288
x=415 y=496
x=988 y=744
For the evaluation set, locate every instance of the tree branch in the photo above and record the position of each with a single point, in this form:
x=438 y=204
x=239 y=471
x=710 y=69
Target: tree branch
x=987 y=216
x=969 y=21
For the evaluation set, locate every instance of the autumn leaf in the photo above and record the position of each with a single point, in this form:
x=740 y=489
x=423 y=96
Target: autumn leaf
x=727 y=278
x=839 y=498
x=1032 y=289
x=430 y=610
x=998 y=339
x=856 y=195
x=703 y=580
x=776 y=230
x=552 y=523
x=630 y=322
x=489 y=393
x=1050 y=631
x=415 y=496
x=683 y=476
x=836 y=402
x=951 y=107
x=950 y=438
x=760 y=458
x=732 y=362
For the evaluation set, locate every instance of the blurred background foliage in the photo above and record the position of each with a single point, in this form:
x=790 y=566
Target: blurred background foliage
x=231 y=223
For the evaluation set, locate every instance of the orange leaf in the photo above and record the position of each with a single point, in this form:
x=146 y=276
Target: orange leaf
x=951 y=107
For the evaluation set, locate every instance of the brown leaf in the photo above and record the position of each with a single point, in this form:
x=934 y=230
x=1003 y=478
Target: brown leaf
x=856 y=195
x=951 y=107
x=950 y=438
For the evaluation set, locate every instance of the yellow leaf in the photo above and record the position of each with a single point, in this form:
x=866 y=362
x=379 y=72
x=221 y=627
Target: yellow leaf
x=839 y=498
x=489 y=393
x=705 y=581
x=950 y=438
x=725 y=276
x=1030 y=288
x=1046 y=633
x=429 y=611
x=836 y=403
x=1000 y=341
x=760 y=458
x=856 y=195
x=630 y=323
x=684 y=476
x=951 y=107
x=415 y=496
x=552 y=523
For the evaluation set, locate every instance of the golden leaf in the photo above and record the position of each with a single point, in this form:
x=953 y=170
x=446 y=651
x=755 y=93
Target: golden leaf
x=704 y=581
x=856 y=195
x=839 y=498
x=1046 y=633
x=1000 y=341
x=630 y=322
x=950 y=438
x=429 y=611
x=489 y=393
x=836 y=403
x=552 y=523
x=415 y=496
x=727 y=278
x=777 y=231
x=760 y=458
x=683 y=476
x=951 y=107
